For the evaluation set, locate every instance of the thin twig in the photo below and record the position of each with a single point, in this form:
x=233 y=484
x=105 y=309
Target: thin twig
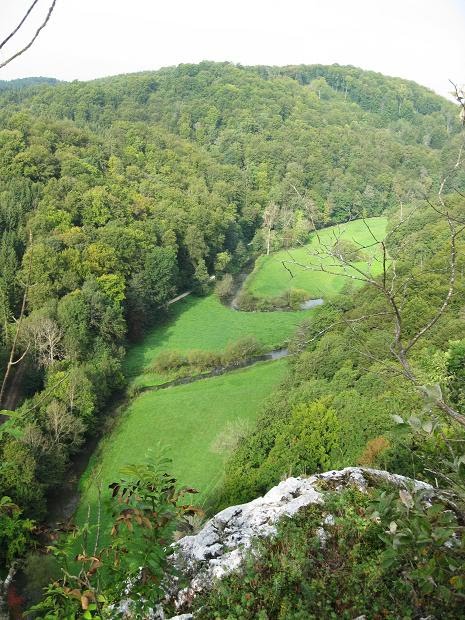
x=12 y=34
x=36 y=34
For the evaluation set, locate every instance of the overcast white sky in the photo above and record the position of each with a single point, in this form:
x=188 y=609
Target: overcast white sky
x=423 y=40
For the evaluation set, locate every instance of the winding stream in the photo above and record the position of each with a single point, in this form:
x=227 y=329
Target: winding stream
x=239 y=281
x=63 y=503
x=237 y=288
x=218 y=370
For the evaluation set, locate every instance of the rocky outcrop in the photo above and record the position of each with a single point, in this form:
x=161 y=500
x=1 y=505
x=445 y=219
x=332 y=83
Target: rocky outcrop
x=219 y=548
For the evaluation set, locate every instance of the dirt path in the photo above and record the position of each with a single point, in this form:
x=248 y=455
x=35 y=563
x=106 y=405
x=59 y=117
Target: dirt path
x=178 y=298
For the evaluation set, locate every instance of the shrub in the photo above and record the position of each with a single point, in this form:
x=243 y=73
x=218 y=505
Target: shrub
x=224 y=287
x=424 y=542
x=281 y=302
x=203 y=360
x=149 y=507
x=373 y=450
x=169 y=360
x=296 y=297
x=246 y=301
x=133 y=391
x=308 y=443
x=286 y=440
x=290 y=299
x=348 y=251
x=356 y=571
x=264 y=305
x=15 y=531
x=293 y=575
x=241 y=350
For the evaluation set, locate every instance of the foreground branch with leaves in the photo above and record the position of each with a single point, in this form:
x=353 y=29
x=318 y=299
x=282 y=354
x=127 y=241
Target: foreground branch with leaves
x=131 y=561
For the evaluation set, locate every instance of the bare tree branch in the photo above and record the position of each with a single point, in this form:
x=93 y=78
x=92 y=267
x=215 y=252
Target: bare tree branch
x=445 y=303
x=11 y=360
x=351 y=270
x=36 y=34
x=12 y=34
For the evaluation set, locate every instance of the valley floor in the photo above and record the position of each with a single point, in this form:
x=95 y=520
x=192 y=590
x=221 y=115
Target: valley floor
x=196 y=425
x=199 y=424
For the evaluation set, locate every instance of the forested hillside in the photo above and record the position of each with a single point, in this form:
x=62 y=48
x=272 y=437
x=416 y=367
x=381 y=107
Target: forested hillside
x=25 y=82
x=346 y=385
x=119 y=193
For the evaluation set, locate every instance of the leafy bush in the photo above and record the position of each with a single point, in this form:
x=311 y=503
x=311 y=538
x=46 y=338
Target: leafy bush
x=262 y=304
x=15 y=532
x=198 y=360
x=246 y=301
x=296 y=297
x=224 y=287
x=425 y=541
x=300 y=575
x=241 y=350
x=203 y=360
x=289 y=300
x=149 y=506
x=348 y=251
x=306 y=441
x=169 y=360
x=277 y=303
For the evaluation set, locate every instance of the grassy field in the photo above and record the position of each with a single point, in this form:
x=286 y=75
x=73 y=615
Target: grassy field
x=187 y=422
x=204 y=323
x=270 y=278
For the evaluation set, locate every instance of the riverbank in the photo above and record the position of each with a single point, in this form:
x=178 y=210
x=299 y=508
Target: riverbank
x=218 y=370
x=205 y=324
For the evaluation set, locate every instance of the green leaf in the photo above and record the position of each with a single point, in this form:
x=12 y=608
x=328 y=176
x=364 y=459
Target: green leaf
x=388 y=559
x=461 y=467
x=434 y=510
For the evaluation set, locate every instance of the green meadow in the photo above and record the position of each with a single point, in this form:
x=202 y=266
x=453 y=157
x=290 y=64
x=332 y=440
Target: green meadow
x=298 y=268
x=193 y=424
x=205 y=323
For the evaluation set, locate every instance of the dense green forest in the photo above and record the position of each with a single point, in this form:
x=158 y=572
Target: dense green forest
x=120 y=193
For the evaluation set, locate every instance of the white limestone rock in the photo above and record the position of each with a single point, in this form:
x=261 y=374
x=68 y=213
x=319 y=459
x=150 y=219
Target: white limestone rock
x=219 y=548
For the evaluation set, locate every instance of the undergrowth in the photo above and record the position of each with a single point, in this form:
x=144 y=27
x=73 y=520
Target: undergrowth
x=301 y=575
